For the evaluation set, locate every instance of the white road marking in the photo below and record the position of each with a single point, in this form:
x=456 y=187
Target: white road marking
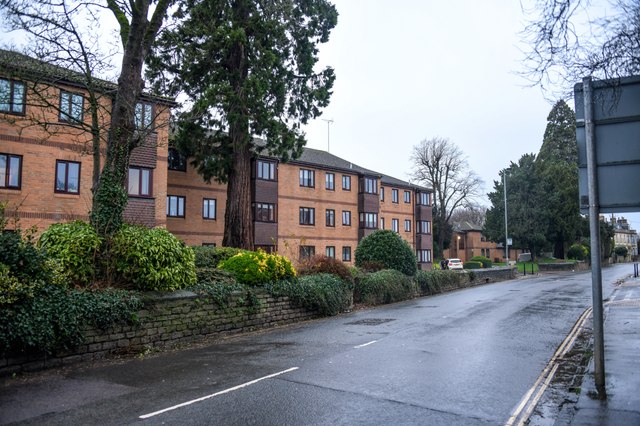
x=365 y=344
x=193 y=401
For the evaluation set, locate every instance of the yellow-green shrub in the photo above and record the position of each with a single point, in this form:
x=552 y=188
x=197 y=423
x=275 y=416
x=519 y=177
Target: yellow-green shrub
x=258 y=267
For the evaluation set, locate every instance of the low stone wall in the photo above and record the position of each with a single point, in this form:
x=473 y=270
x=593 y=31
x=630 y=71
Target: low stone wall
x=168 y=321
x=495 y=274
x=563 y=266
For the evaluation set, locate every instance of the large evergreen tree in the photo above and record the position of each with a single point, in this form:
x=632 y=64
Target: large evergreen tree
x=557 y=170
x=247 y=69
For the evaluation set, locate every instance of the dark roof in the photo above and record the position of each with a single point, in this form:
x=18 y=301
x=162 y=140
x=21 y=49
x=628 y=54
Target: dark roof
x=467 y=226
x=15 y=64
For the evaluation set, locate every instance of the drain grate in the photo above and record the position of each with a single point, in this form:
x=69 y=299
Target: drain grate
x=370 y=321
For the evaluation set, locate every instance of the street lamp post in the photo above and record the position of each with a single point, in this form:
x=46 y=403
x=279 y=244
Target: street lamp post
x=506 y=234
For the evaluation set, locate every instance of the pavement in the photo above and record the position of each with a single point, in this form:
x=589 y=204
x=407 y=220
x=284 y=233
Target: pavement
x=620 y=403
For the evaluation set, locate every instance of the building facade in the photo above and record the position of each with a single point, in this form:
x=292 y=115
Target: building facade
x=625 y=236
x=316 y=204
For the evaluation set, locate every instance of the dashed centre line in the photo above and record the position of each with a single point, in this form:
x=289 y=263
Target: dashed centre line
x=193 y=401
x=365 y=344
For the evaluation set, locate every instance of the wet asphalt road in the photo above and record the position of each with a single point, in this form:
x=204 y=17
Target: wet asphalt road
x=466 y=357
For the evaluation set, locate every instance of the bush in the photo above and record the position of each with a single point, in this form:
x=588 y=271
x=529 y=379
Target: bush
x=75 y=245
x=210 y=257
x=53 y=317
x=578 y=252
x=472 y=265
x=321 y=264
x=621 y=251
x=326 y=293
x=214 y=275
x=385 y=286
x=258 y=267
x=432 y=282
x=21 y=256
x=389 y=249
x=152 y=259
x=485 y=261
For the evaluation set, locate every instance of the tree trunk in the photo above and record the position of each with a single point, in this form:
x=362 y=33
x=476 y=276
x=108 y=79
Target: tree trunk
x=238 y=229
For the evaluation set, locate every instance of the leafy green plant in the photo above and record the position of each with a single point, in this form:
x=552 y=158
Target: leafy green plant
x=75 y=245
x=472 y=265
x=485 y=261
x=53 y=318
x=326 y=293
x=21 y=256
x=578 y=252
x=152 y=259
x=385 y=286
x=321 y=264
x=432 y=282
x=258 y=267
x=210 y=257
x=389 y=249
x=621 y=251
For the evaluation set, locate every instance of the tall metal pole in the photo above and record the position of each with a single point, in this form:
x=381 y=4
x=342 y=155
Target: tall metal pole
x=328 y=126
x=506 y=234
x=594 y=229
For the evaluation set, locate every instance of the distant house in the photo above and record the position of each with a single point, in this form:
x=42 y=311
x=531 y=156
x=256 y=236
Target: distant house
x=625 y=236
x=467 y=241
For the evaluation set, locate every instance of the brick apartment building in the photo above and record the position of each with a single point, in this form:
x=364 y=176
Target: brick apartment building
x=318 y=203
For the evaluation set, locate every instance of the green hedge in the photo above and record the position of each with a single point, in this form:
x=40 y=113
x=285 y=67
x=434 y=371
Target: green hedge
x=326 y=293
x=432 y=282
x=210 y=257
x=486 y=262
x=258 y=267
x=386 y=248
x=384 y=286
x=472 y=265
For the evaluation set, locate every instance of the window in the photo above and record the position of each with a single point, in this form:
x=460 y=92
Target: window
x=307 y=251
x=407 y=225
x=423 y=227
x=176 y=161
x=407 y=196
x=10 y=171
x=346 y=218
x=209 y=208
x=71 y=107
x=266 y=170
x=394 y=196
x=143 y=115
x=346 y=254
x=488 y=253
x=139 y=182
x=67 y=177
x=264 y=212
x=382 y=223
x=331 y=217
x=369 y=220
x=382 y=193
x=307 y=178
x=370 y=185
x=307 y=216
x=395 y=225
x=424 y=256
x=346 y=183
x=175 y=206
x=12 y=96
x=330 y=251
x=422 y=198
x=208 y=244
x=330 y=181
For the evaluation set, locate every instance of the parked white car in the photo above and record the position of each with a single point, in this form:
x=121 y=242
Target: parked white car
x=455 y=264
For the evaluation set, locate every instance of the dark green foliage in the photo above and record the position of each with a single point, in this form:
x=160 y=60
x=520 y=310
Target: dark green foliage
x=53 y=318
x=214 y=275
x=432 y=282
x=326 y=293
x=75 y=245
x=486 y=262
x=621 y=251
x=210 y=257
x=389 y=249
x=472 y=265
x=21 y=255
x=385 y=286
x=152 y=259
x=320 y=264
x=578 y=252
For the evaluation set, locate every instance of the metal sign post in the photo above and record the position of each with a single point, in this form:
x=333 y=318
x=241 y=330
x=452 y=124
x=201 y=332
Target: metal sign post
x=594 y=229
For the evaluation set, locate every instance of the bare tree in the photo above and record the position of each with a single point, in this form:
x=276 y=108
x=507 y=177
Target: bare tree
x=566 y=44
x=441 y=165
x=474 y=214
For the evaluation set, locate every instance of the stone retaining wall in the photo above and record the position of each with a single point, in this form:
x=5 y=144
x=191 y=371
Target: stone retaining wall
x=168 y=321
x=563 y=266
